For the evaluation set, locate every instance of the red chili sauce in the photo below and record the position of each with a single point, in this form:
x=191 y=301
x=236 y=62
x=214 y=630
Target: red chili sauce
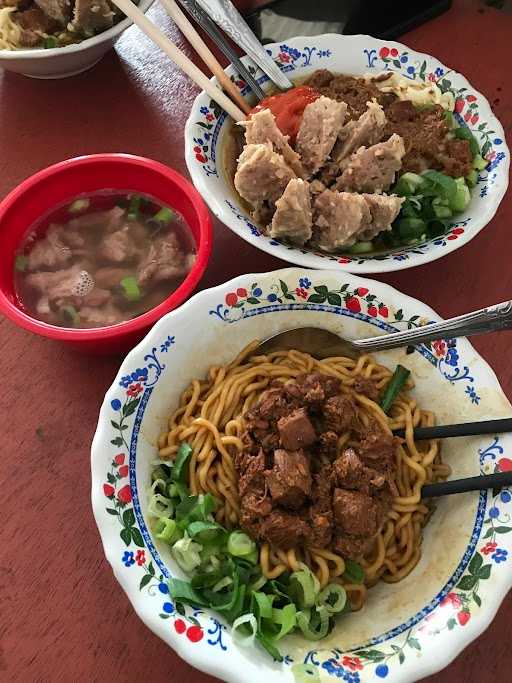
x=288 y=108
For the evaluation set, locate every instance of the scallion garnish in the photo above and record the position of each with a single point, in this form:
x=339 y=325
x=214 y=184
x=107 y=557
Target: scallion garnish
x=394 y=387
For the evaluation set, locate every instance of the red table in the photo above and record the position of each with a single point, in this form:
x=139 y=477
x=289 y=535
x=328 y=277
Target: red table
x=64 y=616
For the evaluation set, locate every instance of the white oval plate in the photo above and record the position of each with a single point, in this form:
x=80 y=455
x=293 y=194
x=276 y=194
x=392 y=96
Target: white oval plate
x=405 y=631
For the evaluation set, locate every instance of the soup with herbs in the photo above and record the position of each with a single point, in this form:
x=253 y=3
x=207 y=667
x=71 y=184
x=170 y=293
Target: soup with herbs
x=102 y=259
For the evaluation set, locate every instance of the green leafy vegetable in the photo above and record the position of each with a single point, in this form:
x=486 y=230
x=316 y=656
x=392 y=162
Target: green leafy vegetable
x=182 y=591
x=394 y=387
x=50 y=42
x=354 y=573
x=240 y=545
x=130 y=287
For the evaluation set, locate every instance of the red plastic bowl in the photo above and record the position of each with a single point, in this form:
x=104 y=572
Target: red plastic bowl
x=61 y=182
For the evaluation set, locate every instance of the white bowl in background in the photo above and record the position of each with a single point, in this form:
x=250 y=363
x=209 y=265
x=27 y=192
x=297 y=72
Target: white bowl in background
x=207 y=126
x=60 y=62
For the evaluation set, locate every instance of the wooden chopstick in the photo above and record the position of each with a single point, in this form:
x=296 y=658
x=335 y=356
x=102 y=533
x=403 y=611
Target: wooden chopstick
x=464 y=429
x=204 y=52
x=180 y=59
x=485 y=481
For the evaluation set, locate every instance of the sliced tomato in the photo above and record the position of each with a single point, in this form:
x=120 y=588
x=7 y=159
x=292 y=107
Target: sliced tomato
x=288 y=108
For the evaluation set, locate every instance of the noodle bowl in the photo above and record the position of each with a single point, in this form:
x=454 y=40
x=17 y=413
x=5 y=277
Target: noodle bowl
x=210 y=419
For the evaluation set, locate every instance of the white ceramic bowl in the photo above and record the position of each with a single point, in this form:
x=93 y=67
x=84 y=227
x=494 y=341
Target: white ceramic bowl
x=405 y=631
x=61 y=62
x=207 y=126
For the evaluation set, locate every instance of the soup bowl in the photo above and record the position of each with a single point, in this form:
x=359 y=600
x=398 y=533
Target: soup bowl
x=62 y=182
x=208 y=129
x=406 y=630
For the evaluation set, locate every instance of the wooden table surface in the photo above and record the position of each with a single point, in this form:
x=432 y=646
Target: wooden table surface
x=64 y=617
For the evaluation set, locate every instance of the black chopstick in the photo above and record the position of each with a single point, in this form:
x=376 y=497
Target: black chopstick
x=464 y=429
x=207 y=24
x=485 y=481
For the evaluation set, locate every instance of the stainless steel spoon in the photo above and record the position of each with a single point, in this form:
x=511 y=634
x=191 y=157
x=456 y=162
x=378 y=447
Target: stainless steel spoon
x=225 y=15
x=321 y=343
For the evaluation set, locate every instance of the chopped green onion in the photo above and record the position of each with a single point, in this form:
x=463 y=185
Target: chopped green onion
x=167 y=530
x=160 y=473
x=269 y=647
x=240 y=544
x=450 y=119
x=439 y=184
x=186 y=553
x=333 y=598
x=463 y=133
x=472 y=178
x=259 y=583
x=195 y=509
x=160 y=506
x=20 y=263
x=286 y=618
x=253 y=556
x=164 y=216
x=441 y=211
x=180 y=470
x=303 y=588
x=409 y=228
x=479 y=163
x=49 y=42
x=134 y=207
x=408 y=184
x=305 y=673
x=131 y=290
x=354 y=573
x=70 y=314
x=177 y=489
x=182 y=591
x=205 y=532
x=361 y=248
x=79 y=205
x=314 y=623
x=462 y=197
x=394 y=387
x=244 y=630
x=222 y=583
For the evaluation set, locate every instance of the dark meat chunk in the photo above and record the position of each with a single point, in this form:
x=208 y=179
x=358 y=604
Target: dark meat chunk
x=296 y=430
x=58 y=10
x=272 y=404
x=350 y=473
x=254 y=509
x=321 y=509
x=320 y=79
x=289 y=480
x=18 y=4
x=328 y=444
x=92 y=16
x=315 y=388
x=284 y=530
x=352 y=547
x=367 y=387
x=355 y=513
x=339 y=413
x=34 y=22
x=401 y=110
x=251 y=473
x=377 y=450
x=166 y=260
x=458 y=159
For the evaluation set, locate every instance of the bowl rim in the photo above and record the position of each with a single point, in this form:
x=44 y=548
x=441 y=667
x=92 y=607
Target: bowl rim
x=16 y=315
x=103 y=36
x=310 y=259
x=425 y=666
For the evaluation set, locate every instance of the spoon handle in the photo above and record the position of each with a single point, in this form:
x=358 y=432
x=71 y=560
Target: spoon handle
x=225 y=15
x=486 y=481
x=498 y=317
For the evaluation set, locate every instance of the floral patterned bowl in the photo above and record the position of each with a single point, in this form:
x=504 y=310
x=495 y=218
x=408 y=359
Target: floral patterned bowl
x=405 y=631
x=207 y=127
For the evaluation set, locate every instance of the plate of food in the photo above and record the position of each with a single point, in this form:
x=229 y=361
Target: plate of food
x=259 y=511
x=379 y=159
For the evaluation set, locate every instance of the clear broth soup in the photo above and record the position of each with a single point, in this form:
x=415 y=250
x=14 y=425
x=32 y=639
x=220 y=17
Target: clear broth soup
x=102 y=259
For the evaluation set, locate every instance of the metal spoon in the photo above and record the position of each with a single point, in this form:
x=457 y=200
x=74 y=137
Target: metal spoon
x=225 y=15
x=321 y=343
